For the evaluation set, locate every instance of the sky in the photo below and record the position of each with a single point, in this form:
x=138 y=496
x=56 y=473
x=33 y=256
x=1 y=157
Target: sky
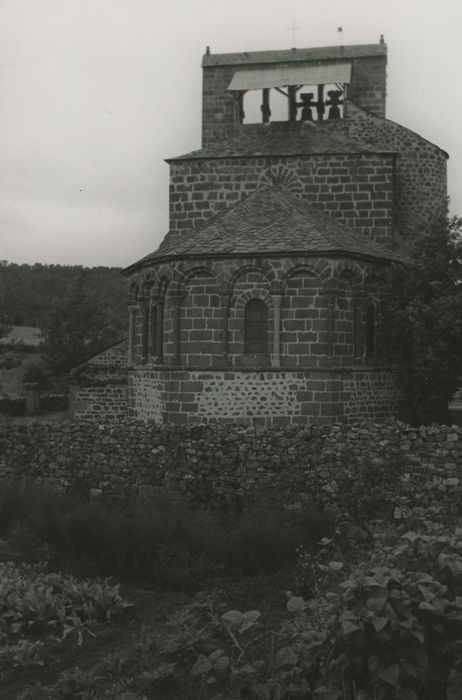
x=95 y=94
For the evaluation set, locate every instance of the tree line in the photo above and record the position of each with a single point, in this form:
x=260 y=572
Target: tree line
x=80 y=310
x=28 y=293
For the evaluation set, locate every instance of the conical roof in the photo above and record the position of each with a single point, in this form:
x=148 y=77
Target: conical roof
x=270 y=221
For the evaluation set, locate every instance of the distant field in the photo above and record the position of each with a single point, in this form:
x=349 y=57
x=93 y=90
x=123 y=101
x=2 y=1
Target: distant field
x=29 y=335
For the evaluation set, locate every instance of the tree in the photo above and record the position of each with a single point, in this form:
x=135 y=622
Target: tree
x=76 y=328
x=427 y=320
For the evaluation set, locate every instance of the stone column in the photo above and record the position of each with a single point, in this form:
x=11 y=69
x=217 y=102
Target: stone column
x=160 y=329
x=157 y=306
x=357 y=322
x=225 y=300
x=276 y=359
x=143 y=307
x=381 y=335
x=176 y=298
x=131 y=333
x=330 y=300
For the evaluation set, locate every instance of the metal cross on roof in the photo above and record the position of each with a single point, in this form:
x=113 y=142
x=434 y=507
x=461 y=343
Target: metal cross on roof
x=293 y=29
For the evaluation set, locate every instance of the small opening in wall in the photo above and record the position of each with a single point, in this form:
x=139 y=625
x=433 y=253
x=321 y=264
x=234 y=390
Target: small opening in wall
x=293 y=103
x=256 y=328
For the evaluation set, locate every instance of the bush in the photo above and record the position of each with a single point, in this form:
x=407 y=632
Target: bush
x=37 y=371
x=390 y=631
x=12 y=407
x=426 y=320
x=162 y=540
x=41 y=610
x=9 y=360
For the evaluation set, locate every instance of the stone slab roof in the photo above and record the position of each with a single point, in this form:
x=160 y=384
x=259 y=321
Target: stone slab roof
x=270 y=221
x=282 y=139
x=320 y=53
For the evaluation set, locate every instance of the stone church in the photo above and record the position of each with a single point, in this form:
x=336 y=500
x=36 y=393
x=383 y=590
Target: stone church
x=266 y=302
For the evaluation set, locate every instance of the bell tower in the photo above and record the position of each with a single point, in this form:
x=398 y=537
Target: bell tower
x=290 y=85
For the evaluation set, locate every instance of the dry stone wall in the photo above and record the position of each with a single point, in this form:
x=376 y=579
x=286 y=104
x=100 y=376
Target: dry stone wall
x=231 y=465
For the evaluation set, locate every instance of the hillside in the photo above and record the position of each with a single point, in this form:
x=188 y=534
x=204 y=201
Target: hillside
x=28 y=292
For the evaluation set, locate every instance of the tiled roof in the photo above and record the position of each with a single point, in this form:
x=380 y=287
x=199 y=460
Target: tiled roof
x=270 y=221
x=282 y=138
x=320 y=53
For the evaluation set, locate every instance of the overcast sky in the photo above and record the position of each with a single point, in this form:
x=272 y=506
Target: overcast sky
x=94 y=94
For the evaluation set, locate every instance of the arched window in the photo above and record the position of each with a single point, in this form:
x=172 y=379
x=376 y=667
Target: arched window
x=256 y=328
x=371 y=331
x=156 y=331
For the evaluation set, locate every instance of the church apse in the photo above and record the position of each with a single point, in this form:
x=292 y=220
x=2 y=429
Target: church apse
x=267 y=301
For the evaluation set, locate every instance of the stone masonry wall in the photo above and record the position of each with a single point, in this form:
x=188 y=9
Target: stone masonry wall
x=231 y=465
x=99 y=402
x=114 y=356
x=200 y=321
x=354 y=188
x=220 y=108
x=420 y=185
x=322 y=309
x=98 y=387
x=269 y=398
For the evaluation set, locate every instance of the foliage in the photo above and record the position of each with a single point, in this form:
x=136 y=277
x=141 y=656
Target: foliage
x=10 y=359
x=4 y=328
x=39 y=609
x=28 y=292
x=426 y=318
x=76 y=328
x=161 y=540
x=38 y=371
x=391 y=631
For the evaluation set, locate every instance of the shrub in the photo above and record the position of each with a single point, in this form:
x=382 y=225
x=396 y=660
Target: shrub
x=9 y=360
x=37 y=371
x=391 y=631
x=39 y=609
x=161 y=540
x=426 y=313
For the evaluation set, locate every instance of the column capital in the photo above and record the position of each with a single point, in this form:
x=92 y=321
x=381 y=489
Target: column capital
x=276 y=297
x=276 y=288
